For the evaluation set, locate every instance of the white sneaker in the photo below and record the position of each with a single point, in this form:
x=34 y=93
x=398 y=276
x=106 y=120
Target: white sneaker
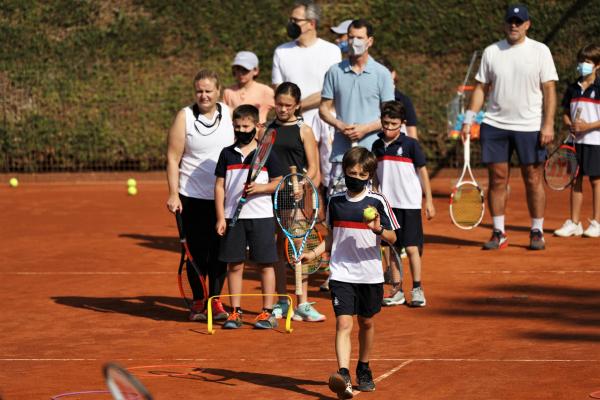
x=593 y=231
x=570 y=228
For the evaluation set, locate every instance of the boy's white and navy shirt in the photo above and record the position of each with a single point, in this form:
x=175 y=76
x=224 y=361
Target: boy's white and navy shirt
x=397 y=164
x=589 y=102
x=355 y=254
x=233 y=166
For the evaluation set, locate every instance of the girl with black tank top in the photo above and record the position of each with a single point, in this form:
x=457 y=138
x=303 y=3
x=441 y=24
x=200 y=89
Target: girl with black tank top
x=295 y=144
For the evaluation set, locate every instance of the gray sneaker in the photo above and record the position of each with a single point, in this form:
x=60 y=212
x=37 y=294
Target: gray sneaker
x=417 y=297
x=497 y=241
x=536 y=240
x=364 y=378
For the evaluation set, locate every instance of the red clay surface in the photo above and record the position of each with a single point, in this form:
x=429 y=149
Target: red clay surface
x=87 y=275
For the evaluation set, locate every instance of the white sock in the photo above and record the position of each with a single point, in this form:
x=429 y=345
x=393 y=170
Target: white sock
x=499 y=223
x=537 y=223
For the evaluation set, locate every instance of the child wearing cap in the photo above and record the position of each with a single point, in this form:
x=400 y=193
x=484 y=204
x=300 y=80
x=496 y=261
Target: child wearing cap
x=341 y=32
x=248 y=91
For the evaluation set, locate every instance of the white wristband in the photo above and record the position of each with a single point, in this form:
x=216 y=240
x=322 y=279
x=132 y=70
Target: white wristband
x=469 y=117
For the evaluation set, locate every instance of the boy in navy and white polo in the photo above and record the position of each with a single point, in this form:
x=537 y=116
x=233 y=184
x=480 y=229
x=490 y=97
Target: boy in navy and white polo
x=356 y=281
x=255 y=228
x=403 y=177
x=584 y=94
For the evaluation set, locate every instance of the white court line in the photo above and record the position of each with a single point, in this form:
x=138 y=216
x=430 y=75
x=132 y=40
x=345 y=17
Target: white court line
x=525 y=360
x=87 y=273
x=532 y=271
x=385 y=375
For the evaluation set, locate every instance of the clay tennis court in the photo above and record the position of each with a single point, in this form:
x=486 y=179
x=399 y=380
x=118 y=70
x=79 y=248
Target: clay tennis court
x=88 y=275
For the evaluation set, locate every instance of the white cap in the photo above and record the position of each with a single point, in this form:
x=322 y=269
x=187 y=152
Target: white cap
x=246 y=59
x=342 y=28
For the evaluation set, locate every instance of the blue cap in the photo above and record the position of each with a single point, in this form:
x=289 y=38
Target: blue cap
x=518 y=11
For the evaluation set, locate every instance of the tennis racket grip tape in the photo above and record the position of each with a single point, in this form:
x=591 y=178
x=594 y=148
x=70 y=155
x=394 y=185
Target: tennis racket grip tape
x=298 y=277
x=179 y=224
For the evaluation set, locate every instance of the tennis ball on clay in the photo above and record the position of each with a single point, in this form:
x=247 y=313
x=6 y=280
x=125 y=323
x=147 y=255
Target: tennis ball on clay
x=13 y=182
x=132 y=190
x=369 y=213
x=131 y=182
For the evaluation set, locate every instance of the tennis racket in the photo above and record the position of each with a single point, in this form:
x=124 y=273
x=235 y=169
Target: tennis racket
x=313 y=240
x=466 y=200
x=192 y=284
x=261 y=154
x=122 y=385
x=392 y=264
x=296 y=206
x=561 y=167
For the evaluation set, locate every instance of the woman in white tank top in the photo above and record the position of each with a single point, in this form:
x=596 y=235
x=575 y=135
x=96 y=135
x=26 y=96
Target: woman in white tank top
x=198 y=134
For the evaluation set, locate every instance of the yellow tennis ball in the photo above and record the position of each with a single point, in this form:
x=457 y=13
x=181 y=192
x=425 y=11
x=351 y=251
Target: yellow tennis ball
x=13 y=182
x=131 y=182
x=132 y=190
x=369 y=213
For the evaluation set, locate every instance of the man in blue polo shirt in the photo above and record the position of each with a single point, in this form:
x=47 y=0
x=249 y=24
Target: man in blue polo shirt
x=356 y=88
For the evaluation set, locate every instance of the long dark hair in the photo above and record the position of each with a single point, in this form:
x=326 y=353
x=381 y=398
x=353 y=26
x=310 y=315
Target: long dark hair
x=290 y=89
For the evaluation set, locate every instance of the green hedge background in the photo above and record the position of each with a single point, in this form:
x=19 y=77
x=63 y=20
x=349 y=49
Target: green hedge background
x=94 y=85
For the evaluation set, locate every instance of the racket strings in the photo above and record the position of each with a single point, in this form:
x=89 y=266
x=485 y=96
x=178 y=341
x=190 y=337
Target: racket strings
x=562 y=165
x=192 y=287
x=122 y=388
x=467 y=205
x=312 y=241
x=295 y=208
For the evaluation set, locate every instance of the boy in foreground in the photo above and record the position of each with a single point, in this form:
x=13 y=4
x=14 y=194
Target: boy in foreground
x=359 y=219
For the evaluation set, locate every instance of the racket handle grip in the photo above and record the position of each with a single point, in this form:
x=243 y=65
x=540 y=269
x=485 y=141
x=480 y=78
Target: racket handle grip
x=294 y=170
x=298 y=277
x=179 y=223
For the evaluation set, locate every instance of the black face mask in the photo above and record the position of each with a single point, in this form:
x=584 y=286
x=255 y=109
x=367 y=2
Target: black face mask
x=293 y=30
x=355 y=185
x=244 y=137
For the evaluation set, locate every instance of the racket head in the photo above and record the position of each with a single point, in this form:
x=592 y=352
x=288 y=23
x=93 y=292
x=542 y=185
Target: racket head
x=190 y=281
x=467 y=205
x=561 y=168
x=294 y=210
x=123 y=385
x=261 y=154
x=313 y=239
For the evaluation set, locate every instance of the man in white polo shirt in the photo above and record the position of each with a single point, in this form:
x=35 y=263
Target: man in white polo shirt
x=518 y=76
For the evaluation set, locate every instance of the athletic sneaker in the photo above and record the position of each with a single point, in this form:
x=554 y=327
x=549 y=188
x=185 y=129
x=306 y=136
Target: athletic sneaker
x=365 y=380
x=306 y=312
x=218 y=311
x=417 y=297
x=499 y=240
x=569 y=228
x=280 y=309
x=536 y=240
x=395 y=297
x=341 y=385
x=325 y=286
x=265 y=320
x=198 y=312
x=593 y=231
x=234 y=321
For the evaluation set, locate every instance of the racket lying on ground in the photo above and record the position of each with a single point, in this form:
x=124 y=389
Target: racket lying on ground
x=466 y=200
x=192 y=285
x=561 y=167
x=296 y=206
x=122 y=385
x=261 y=154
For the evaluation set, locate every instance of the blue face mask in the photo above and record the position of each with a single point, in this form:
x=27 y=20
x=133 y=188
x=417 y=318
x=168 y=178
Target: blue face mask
x=584 y=69
x=343 y=45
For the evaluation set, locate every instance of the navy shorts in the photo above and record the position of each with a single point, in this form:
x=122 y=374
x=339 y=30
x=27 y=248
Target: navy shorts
x=362 y=299
x=257 y=234
x=497 y=146
x=411 y=228
x=588 y=157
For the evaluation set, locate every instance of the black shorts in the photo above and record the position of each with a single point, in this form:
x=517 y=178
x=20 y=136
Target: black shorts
x=497 y=146
x=257 y=234
x=588 y=157
x=411 y=228
x=362 y=299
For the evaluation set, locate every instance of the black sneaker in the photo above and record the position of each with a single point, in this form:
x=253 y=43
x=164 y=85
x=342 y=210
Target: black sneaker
x=341 y=385
x=497 y=241
x=536 y=240
x=365 y=380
